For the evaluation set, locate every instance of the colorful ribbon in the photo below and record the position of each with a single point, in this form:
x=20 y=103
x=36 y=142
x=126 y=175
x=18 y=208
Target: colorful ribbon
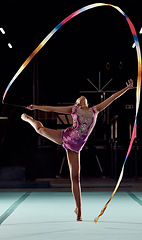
x=132 y=28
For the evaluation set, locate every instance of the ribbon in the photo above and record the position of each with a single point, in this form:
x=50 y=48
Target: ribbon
x=46 y=39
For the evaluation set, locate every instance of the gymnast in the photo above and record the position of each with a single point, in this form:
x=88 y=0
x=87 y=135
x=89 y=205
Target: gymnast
x=74 y=138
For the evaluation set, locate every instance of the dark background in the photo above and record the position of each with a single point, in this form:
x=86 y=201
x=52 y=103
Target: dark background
x=77 y=52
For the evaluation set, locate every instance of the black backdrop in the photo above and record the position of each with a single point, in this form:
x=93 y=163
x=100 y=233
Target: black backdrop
x=77 y=52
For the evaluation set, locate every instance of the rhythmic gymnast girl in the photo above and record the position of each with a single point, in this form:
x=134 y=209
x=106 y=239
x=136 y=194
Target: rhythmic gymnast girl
x=74 y=138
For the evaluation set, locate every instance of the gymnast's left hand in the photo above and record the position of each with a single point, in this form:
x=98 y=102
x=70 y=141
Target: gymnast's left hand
x=129 y=84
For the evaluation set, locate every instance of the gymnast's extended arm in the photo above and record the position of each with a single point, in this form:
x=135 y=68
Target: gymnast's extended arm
x=100 y=107
x=64 y=110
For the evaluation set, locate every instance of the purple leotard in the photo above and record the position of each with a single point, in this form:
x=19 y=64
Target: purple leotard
x=75 y=137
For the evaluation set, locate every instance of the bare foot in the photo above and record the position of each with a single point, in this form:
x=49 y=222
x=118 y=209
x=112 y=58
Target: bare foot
x=79 y=218
x=25 y=117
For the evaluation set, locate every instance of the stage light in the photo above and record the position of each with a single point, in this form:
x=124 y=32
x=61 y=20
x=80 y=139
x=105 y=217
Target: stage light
x=2 y=30
x=9 y=45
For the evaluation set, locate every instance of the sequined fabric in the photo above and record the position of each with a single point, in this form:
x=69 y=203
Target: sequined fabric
x=75 y=137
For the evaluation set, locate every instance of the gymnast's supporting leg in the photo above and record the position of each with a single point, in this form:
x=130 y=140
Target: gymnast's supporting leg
x=51 y=134
x=73 y=159
x=74 y=166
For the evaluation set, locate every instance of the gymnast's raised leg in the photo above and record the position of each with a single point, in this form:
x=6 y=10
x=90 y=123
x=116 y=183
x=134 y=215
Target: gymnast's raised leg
x=51 y=134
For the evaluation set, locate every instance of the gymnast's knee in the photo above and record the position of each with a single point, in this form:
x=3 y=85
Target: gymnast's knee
x=75 y=178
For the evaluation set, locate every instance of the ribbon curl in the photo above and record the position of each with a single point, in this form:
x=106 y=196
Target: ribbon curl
x=46 y=39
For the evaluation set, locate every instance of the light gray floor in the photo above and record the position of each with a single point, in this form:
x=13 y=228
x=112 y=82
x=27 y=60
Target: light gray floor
x=49 y=215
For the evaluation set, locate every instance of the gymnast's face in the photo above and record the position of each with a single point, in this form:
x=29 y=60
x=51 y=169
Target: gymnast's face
x=82 y=101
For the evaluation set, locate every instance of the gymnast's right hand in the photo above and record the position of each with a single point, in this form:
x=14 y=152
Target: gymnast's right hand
x=32 y=107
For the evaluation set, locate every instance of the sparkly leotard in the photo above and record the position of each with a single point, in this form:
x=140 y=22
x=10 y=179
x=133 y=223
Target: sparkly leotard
x=75 y=137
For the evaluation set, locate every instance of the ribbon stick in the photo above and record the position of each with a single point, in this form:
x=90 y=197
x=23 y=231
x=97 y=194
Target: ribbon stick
x=46 y=39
